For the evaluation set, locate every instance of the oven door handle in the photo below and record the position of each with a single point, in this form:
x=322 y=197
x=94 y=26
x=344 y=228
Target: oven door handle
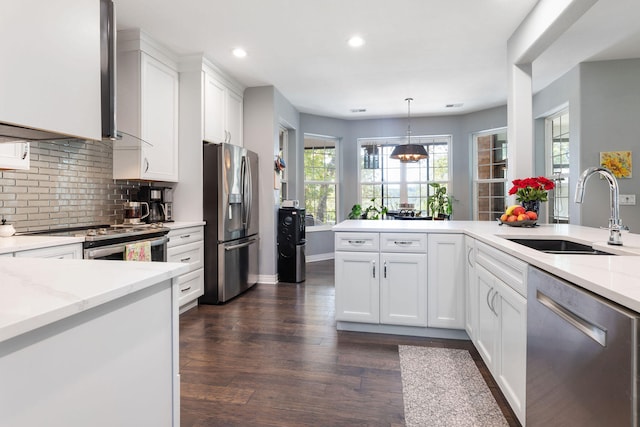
x=119 y=248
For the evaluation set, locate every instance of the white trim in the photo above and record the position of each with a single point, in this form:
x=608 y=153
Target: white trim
x=320 y=257
x=414 y=331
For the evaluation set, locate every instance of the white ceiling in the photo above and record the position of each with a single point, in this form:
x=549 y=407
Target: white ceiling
x=438 y=52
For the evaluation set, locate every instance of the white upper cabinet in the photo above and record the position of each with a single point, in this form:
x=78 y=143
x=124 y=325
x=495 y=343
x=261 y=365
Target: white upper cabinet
x=14 y=155
x=148 y=86
x=50 y=73
x=222 y=115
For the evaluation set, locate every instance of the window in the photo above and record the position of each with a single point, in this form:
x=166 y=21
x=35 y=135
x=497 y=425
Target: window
x=391 y=182
x=490 y=174
x=320 y=179
x=557 y=137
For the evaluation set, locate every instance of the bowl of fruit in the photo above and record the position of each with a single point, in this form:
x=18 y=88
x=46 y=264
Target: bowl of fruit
x=517 y=216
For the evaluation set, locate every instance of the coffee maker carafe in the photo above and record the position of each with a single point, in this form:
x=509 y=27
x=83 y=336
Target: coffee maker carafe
x=153 y=196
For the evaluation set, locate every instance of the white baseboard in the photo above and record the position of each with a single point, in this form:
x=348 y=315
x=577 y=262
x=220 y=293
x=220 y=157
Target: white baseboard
x=268 y=279
x=319 y=257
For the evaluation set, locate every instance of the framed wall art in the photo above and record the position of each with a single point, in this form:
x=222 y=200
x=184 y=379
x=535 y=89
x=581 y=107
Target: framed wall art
x=618 y=162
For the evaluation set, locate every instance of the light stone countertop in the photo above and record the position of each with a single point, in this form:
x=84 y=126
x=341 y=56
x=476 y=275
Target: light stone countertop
x=176 y=225
x=24 y=243
x=35 y=292
x=616 y=278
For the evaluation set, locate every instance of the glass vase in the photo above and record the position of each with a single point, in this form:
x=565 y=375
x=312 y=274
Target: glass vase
x=532 y=205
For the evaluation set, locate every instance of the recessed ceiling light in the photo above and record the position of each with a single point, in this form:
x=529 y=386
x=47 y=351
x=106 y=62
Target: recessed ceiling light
x=356 y=41
x=458 y=105
x=239 y=52
x=358 y=110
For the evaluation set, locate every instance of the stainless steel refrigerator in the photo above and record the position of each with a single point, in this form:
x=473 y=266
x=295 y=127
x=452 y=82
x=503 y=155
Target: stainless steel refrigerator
x=230 y=204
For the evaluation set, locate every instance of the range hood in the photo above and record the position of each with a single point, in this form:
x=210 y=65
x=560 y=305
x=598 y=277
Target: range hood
x=10 y=132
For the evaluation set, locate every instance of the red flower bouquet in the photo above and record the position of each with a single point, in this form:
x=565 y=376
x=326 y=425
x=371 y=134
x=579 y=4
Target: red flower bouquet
x=531 y=189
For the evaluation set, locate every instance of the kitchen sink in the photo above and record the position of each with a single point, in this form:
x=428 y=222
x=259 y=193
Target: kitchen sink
x=565 y=247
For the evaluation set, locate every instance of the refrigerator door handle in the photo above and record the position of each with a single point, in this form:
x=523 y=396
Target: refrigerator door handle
x=241 y=245
x=248 y=179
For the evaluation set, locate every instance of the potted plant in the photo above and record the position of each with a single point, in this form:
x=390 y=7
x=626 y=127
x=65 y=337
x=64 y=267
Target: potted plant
x=370 y=212
x=440 y=204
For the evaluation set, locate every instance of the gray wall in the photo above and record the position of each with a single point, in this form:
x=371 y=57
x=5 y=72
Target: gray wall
x=264 y=110
x=604 y=107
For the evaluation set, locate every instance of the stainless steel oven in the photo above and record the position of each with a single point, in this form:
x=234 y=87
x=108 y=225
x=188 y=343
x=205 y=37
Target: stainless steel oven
x=116 y=251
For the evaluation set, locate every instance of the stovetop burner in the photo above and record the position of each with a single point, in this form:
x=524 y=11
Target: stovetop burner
x=93 y=233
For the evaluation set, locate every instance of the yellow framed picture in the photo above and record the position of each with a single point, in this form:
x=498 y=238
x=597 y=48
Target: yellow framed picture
x=618 y=162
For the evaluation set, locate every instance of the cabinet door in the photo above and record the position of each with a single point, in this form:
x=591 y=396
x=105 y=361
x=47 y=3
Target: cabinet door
x=214 y=107
x=357 y=287
x=159 y=120
x=403 y=289
x=486 y=336
x=14 y=155
x=234 y=110
x=49 y=78
x=446 y=281
x=511 y=356
x=471 y=289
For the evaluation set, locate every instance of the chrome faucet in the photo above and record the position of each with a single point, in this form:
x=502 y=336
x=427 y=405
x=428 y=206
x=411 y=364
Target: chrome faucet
x=615 y=225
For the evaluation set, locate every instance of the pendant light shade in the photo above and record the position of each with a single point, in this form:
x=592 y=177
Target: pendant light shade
x=409 y=153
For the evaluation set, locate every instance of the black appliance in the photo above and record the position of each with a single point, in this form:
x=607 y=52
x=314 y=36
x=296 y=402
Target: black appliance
x=291 y=245
x=154 y=197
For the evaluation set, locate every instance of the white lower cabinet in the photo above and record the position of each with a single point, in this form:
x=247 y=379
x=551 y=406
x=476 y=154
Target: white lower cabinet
x=501 y=329
x=403 y=289
x=446 y=281
x=186 y=245
x=357 y=286
x=387 y=287
x=72 y=251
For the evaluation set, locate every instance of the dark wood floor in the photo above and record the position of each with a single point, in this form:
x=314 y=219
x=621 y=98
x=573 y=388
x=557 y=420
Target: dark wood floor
x=273 y=357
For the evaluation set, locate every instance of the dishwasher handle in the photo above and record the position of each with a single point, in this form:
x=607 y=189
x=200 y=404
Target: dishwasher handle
x=583 y=325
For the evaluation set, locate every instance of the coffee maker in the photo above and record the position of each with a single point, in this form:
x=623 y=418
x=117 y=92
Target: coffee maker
x=154 y=197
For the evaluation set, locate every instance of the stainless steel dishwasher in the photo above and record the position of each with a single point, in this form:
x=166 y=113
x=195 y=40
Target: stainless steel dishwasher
x=582 y=357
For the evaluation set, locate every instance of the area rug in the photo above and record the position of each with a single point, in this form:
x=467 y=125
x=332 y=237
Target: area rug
x=443 y=387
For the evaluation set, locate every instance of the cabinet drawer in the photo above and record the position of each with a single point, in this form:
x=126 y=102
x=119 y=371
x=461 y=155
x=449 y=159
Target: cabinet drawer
x=72 y=251
x=509 y=269
x=403 y=242
x=191 y=286
x=191 y=253
x=361 y=242
x=185 y=235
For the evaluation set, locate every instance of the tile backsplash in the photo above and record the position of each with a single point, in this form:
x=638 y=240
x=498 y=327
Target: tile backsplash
x=70 y=183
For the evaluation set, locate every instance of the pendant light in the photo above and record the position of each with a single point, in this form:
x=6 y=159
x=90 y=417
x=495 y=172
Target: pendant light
x=409 y=153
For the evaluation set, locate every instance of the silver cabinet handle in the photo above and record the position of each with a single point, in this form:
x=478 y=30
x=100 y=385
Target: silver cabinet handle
x=374 y=269
x=185 y=236
x=493 y=303
x=185 y=289
x=487 y=298
x=469 y=257
x=357 y=242
x=385 y=269
x=581 y=324
x=146 y=164
x=185 y=259
x=402 y=242
x=26 y=150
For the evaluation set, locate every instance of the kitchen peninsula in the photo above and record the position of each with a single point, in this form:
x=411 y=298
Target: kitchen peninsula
x=467 y=279
x=87 y=342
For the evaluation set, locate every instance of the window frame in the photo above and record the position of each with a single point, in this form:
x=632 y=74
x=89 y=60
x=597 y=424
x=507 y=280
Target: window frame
x=476 y=181
x=390 y=142
x=336 y=141
x=550 y=165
